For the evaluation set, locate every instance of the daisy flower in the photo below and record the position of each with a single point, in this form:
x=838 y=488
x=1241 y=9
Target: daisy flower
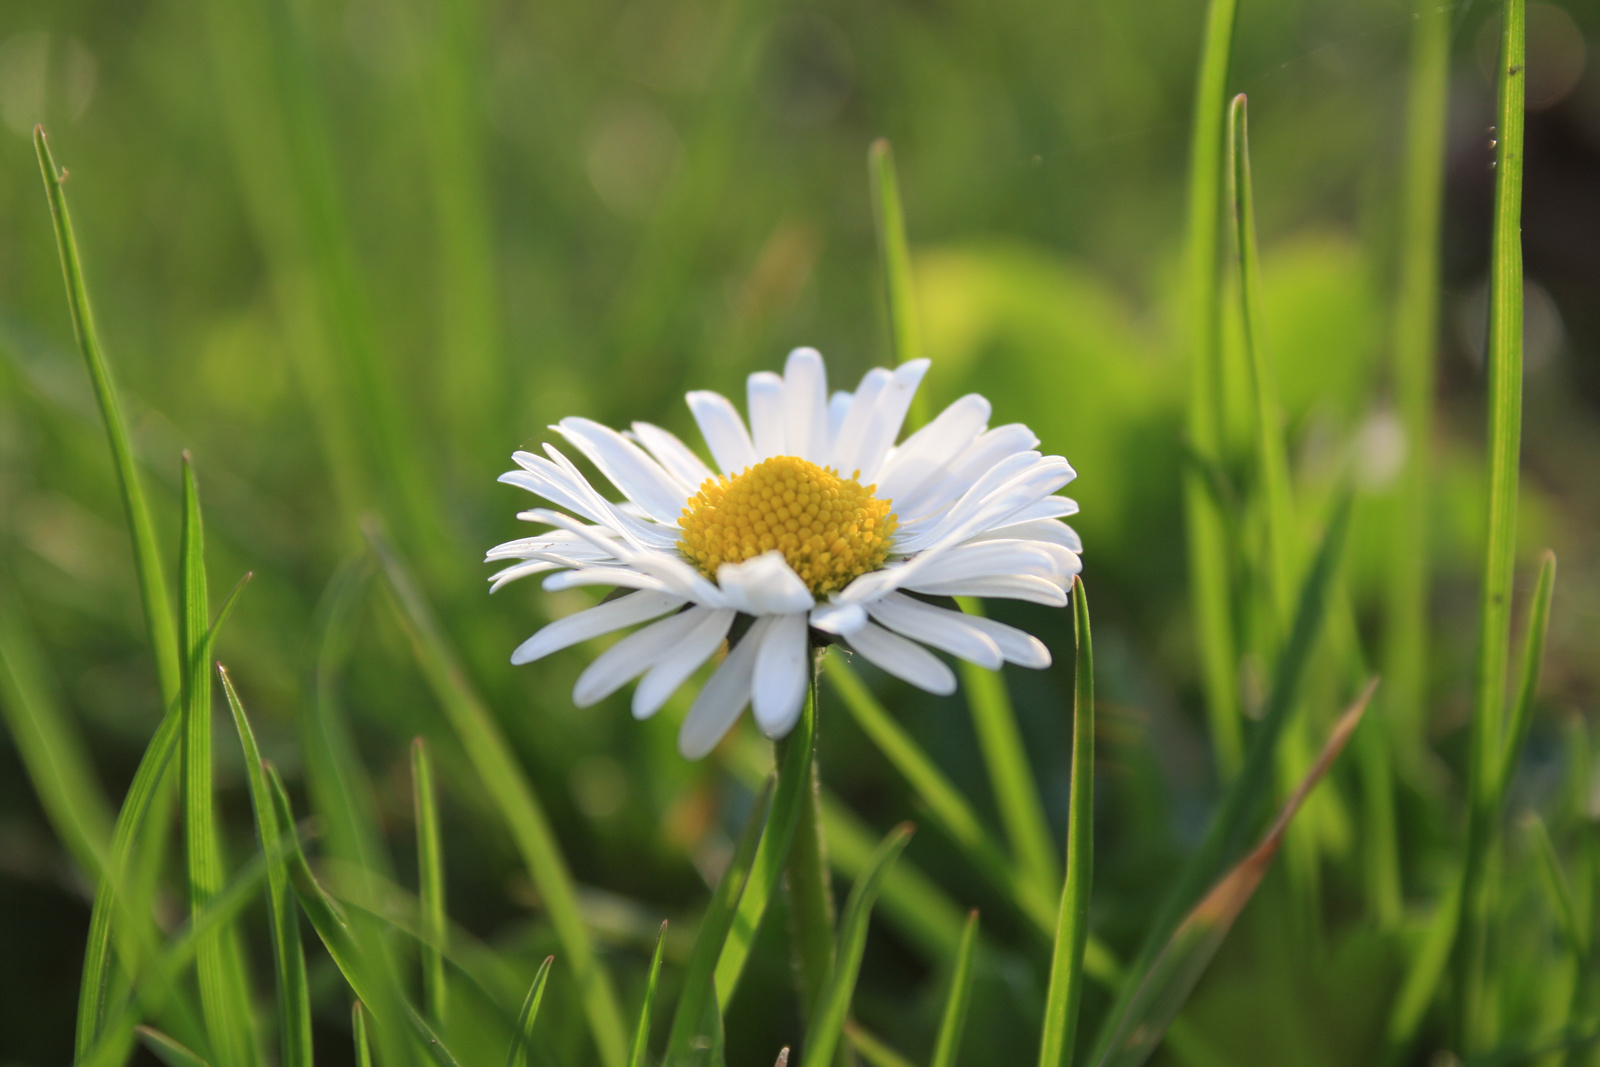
x=813 y=525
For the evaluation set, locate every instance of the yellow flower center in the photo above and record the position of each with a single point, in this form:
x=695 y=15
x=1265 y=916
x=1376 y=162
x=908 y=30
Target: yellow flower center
x=830 y=529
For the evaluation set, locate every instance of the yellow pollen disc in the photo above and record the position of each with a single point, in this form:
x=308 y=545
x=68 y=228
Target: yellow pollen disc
x=830 y=529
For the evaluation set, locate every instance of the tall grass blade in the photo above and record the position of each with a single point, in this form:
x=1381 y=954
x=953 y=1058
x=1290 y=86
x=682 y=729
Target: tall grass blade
x=1162 y=990
x=1572 y=922
x=699 y=980
x=490 y=755
x=1415 y=343
x=169 y=1050
x=894 y=253
x=1072 y=928
x=639 y=1051
x=1516 y=731
x=288 y=956
x=949 y=809
x=119 y=897
x=812 y=937
x=224 y=992
x=517 y=1055
x=50 y=745
x=953 y=1021
x=153 y=595
x=766 y=870
x=833 y=1006
x=873 y=1049
x=1207 y=541
x=430 y=883
x=1428 y=964
x=334 y=930
x=358 y=1029
x=1241 y=808
x=1505 y=444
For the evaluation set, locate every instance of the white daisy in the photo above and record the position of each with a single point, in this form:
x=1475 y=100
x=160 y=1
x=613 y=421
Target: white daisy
x=783 y=542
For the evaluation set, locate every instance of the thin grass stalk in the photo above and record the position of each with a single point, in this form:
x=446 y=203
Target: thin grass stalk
x=1505 y=442
x=430 y=884
x=520 y=1041
x=1207 y=541
x=1072 y=929
x=953 y=1021
x=894 y=253
x=811 y=909
x=168 y=1050
x=358 y=1029
x=639 y=1051
x=224 y=996
x=153 y=596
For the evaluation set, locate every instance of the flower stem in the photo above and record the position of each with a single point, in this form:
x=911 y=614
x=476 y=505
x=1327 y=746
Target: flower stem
x=811 y=910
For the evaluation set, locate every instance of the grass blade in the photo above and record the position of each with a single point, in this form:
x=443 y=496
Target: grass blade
x=153 y=594
x=1571 y=921
x=430 y=882
x=1207 y=541
x=224 y=994
x=699 y=980
x=1162 y=990
x=517 y=1056
x=490 y=755
x=1505 y=444
x=950 y=810
x=888 y=213
x=288 y=956
x=833 y=1006
x=1072 y=929
x=1240 y=810
x=766 y=871
x=50 y=745
x=1516 y=731
x=953 y=1021
x=168 y=1050
x=640 y=1049
x=873 y=1049
x=363 y=1040
x=811 y=911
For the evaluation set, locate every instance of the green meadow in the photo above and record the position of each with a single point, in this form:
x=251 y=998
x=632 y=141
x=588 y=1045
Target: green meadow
x=1307 y=292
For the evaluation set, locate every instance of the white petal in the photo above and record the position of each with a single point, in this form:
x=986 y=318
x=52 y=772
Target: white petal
x=805 y=397
x=1019 y=647
x=948 y=631
x=764 y=585
x=592 y=622
x=633 y=655
x=860 y=418
x=723 y=430
x=521 y=570
x=768 y=415
x=628 y=466
x=674 y=668
x=1014 y=587
x=978 y=559
x=622 y=577
x=678 y=458
x=839 y=618
x=963 y=472
x=986 y=506
x=838 y=408
x=1051 y=531
x=925 y=454
x=904 y=659
x=779 y=685
x=1051 y=507
x=718 y=704
x=892 y=408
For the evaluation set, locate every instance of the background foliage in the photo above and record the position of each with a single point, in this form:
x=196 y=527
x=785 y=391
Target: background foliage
x=351 y=255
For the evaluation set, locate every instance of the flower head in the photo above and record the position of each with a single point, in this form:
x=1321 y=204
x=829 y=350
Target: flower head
x=817 y=520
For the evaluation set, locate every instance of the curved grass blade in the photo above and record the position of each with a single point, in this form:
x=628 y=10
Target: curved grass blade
x=833 y=1006
x=1240 y=811
x=950 y=810
x=224 y=989
x=699 y=980
x=430 y=882
x=288 y=956
x=50 y=745
x=1572 y=922
x=1516 y=731
x=1072 y=929
x=490 y=755
x=812 y=919
x=873 y=1049
x=766 y=870
x=118 y=897
x=517 y=1055
x=333 y=929
x=1161 y=991
x=640 y=1049
x=1505 y=445
x=153 y=594
x=168 y=1050
x=363 y=1040
x=954 y=1019
x=895 y=255
x=1207 y=540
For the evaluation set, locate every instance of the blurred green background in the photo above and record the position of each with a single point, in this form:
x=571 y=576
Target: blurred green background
x=352 y=254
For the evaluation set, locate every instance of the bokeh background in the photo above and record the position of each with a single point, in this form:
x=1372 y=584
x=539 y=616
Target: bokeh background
x=352 y=254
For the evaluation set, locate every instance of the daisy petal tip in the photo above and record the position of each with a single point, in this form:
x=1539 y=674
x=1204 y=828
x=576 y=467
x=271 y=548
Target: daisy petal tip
x=840 y=619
